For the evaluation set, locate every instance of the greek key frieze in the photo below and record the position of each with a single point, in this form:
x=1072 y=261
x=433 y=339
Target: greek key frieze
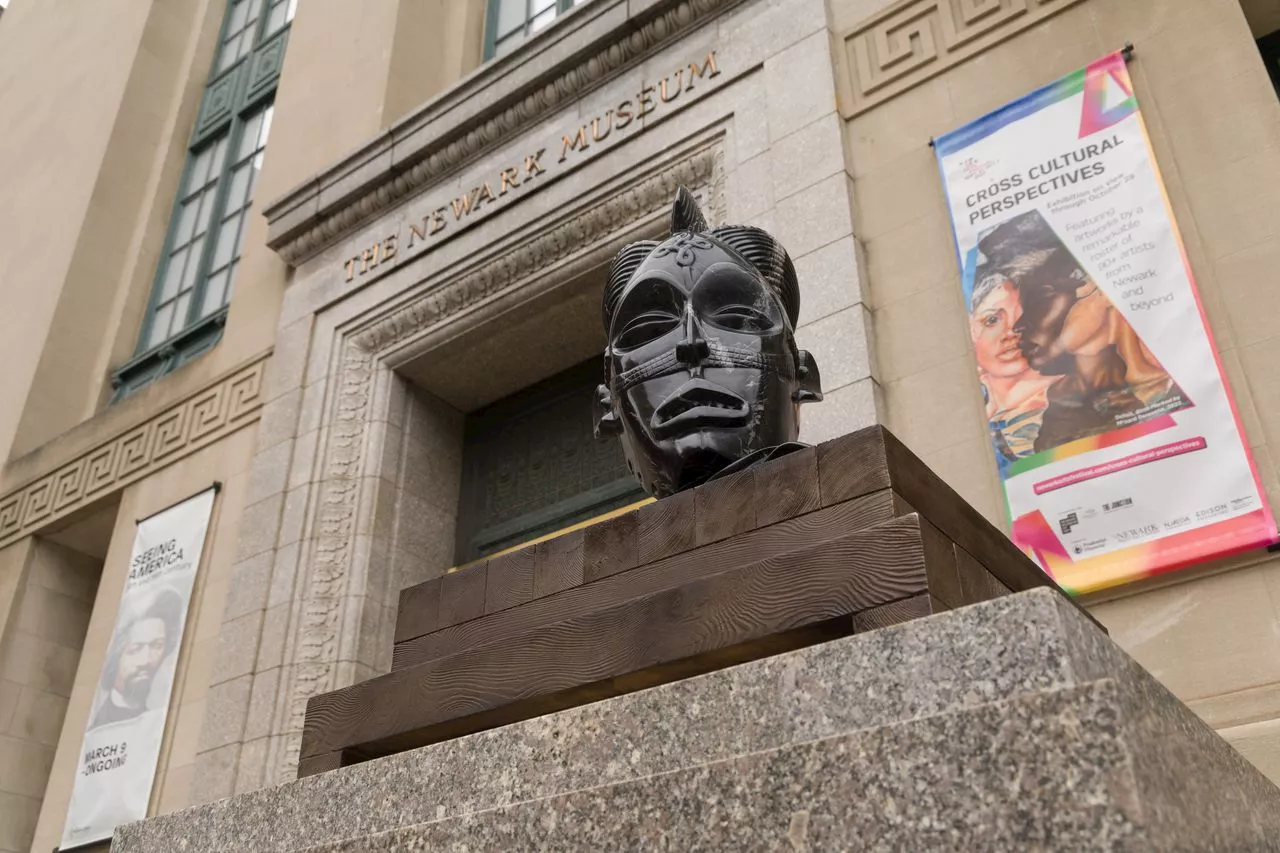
x=912 y=41
x=181 y=429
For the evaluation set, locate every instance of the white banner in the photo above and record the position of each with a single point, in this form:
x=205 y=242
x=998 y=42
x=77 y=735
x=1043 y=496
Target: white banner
x=121 y=746
x=1114 y=432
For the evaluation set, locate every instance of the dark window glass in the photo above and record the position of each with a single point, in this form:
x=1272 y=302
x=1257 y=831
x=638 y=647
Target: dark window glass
x=531 y=466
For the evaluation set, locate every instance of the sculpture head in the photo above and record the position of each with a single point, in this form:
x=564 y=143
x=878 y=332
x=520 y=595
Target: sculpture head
x=701 y=365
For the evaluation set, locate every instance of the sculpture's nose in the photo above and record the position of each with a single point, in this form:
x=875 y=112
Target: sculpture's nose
x=693 y=349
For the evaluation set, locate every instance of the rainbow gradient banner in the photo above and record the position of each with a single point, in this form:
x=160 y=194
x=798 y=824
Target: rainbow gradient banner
x=1114 y=432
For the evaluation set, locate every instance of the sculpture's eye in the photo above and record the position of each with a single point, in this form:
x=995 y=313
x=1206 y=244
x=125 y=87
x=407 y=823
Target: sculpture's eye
x=645 y=328
x=652 y=309
x=730 y=298
x=742 y=318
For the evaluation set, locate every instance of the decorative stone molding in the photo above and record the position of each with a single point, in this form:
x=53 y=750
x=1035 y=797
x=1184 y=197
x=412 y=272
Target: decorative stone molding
x=318 y=649
x=437 y=305
x=321 y=646
x=201 y=419
x=914 y=40
x=472 y=138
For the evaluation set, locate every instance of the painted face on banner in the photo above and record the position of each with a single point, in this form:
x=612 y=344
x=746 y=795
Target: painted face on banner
x=991 y=328
x=1061 y=320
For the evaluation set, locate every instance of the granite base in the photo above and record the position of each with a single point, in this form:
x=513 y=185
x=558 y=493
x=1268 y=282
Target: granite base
x=1011 y=725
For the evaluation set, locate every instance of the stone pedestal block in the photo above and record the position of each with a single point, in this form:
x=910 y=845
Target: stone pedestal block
x=1014 y=724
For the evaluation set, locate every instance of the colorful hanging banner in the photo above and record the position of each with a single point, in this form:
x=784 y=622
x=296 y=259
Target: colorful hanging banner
x=1116 y=438
x=122 y=739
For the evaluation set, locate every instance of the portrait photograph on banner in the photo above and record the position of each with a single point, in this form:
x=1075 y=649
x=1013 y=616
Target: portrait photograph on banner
x=1115 y=436
x=122 y=738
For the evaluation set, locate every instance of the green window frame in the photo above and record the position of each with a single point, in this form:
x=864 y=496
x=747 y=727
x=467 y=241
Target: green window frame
x=196 y=270
x=509 y=23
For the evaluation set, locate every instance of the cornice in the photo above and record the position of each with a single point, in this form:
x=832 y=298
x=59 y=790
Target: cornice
x=500 y=100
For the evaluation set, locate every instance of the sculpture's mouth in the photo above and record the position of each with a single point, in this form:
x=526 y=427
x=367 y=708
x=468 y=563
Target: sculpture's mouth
x=698 y=403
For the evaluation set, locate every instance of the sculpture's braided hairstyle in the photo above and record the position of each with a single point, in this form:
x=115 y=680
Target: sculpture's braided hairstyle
x=757 y=247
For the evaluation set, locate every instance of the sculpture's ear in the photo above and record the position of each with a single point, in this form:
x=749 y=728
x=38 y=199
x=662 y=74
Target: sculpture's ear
x=605 y=420
x=810 y=380
x=686 y=215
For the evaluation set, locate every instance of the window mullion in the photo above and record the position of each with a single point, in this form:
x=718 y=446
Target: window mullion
x=234 y=132
x=491 y=30
x=162 y=267
x=259 y=29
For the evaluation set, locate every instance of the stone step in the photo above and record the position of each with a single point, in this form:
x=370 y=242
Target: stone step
x=1029 y=670
x=1052 y=770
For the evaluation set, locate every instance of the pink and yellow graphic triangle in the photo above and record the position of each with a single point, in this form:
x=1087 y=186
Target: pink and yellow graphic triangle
x=1108 y=94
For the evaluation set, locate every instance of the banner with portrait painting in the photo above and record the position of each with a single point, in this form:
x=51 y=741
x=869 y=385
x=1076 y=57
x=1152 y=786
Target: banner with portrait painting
x=117 y=761
x=1115 y=435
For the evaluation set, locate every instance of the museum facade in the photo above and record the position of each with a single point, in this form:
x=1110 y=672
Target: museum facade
x=345 y=261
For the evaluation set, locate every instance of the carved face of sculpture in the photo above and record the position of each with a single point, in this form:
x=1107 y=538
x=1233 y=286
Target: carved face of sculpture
x=701 y=367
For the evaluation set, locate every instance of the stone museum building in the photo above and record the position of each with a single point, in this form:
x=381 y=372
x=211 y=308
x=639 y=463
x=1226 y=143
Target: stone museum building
x=346 y=260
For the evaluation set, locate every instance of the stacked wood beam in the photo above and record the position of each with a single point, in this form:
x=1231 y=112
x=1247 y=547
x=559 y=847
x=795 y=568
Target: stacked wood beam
x=852 y=535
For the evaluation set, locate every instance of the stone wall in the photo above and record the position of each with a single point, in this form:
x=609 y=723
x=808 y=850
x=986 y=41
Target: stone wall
x=1214 y=122
x=98 y=110
x=42 y=645
x=227 y=462
x=353 y=498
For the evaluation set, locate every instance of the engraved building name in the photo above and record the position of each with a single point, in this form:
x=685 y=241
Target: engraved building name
x=510 y=181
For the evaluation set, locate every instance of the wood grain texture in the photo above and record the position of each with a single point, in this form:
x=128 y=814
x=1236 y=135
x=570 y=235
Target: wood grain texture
x=509 y=581
x=320 y=764
x=786 y=487
x=940 y=566
x=902 y=610
x=937 y=502
x=462 y=595
x=418 y=612
x=610 y=547
x=976 y=583
x=726 y=507
x=852 y=465
x=666 y=527
x=576 y=659
x=920 y=489
x=558 y=564
x=776 y=539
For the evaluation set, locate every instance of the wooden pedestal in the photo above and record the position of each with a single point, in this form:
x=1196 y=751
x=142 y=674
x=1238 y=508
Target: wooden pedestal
x=849 y=536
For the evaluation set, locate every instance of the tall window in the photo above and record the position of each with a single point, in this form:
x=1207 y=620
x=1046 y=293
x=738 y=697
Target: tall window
x=510 y=22
x=197 y=268
x=530 y=466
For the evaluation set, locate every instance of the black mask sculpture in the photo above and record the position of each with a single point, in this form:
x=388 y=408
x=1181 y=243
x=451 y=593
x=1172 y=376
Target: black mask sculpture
x=701 y=366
